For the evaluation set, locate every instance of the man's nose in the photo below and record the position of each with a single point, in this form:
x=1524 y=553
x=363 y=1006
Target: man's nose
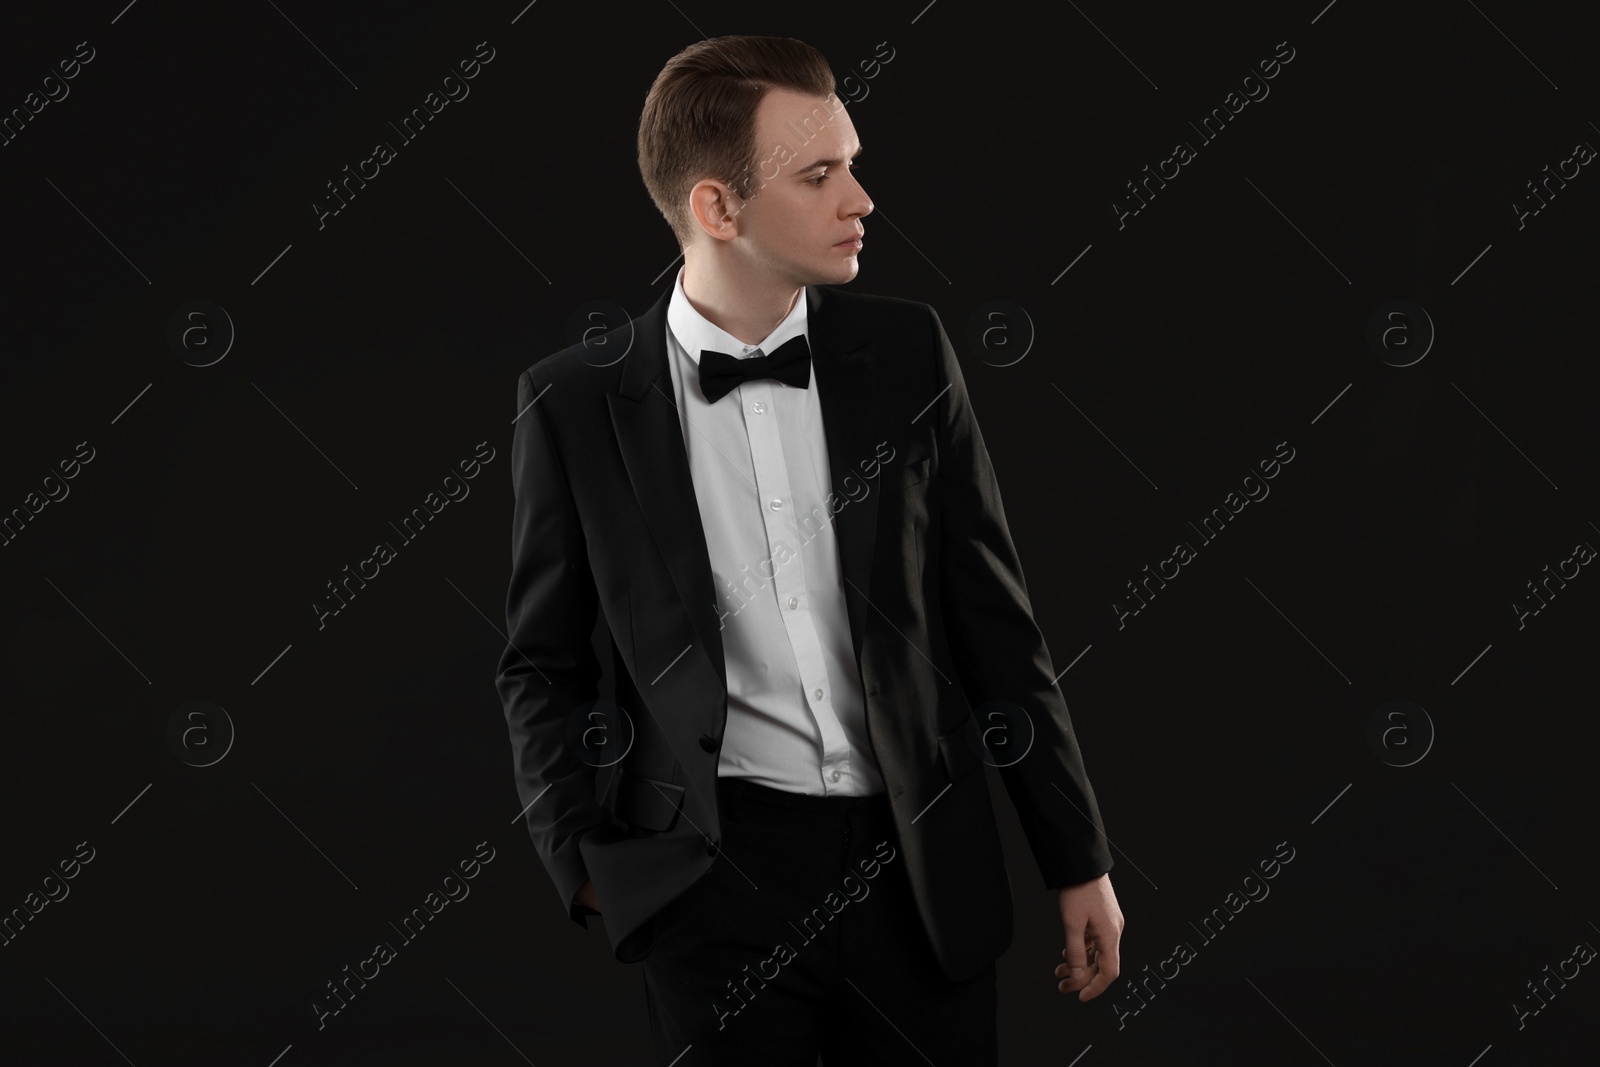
x=861 y=204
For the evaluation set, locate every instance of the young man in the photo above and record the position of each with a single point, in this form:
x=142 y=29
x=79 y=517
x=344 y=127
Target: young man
x=780 y=499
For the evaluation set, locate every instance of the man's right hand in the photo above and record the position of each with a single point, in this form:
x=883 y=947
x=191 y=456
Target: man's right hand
x=586 y=896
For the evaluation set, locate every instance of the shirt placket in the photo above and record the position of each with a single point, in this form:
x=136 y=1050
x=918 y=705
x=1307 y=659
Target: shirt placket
x=789 y=578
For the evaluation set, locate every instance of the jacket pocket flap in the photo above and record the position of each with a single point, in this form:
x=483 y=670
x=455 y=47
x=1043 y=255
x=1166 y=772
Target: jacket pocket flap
x=956 y=751
x=647 y=803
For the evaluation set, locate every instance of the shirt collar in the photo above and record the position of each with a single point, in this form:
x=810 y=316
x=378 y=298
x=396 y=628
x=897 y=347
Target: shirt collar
x=694 y=331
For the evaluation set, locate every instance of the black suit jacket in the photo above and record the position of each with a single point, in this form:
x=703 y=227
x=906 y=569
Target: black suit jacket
x=606 y=519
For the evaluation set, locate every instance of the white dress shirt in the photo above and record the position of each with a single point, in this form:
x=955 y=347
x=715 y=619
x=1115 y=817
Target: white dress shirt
x=759 y=461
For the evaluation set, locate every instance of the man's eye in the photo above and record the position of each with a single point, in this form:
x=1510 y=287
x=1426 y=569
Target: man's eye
x=819 y=179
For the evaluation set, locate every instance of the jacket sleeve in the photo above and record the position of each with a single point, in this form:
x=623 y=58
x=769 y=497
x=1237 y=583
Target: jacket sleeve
x=998 y=650
x=549 y=669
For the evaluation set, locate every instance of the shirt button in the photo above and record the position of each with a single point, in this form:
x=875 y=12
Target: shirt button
x=793 y=601
x=818 y=694
x=836 y=776
x=758 y=407
x=777 y=505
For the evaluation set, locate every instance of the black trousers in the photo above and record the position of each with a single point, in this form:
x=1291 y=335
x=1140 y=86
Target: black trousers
x=803 y=939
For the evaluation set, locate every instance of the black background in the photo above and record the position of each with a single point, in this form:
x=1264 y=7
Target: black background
x=1231 y=714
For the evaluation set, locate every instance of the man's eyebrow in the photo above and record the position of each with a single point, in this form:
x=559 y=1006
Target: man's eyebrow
x=828 y=162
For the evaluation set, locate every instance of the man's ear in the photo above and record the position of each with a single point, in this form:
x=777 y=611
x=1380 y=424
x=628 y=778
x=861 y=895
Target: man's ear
x=715 y=208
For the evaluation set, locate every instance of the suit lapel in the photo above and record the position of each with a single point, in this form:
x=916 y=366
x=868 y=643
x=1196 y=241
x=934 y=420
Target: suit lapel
x=844 y=369
x=644 y=413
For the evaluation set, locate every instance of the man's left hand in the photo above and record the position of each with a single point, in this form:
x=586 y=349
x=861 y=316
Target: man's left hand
x=1093 y=925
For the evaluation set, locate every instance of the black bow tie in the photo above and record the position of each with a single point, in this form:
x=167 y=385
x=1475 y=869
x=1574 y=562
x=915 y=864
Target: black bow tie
x=721 y=373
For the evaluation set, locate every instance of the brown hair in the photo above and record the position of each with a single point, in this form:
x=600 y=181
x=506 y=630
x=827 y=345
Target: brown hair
x=699 y=118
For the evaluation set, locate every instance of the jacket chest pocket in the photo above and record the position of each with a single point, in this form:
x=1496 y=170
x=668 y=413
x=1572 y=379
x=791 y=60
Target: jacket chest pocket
x=912 y=473
x=906 y=489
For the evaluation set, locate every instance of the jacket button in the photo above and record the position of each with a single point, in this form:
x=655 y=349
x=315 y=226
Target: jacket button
x=711 y=848
x=708 y=742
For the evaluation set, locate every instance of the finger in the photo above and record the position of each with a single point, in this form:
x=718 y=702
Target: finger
x=1091 y=962
x=1108 y=964
x=1073 y=985
x=1062 y=969
x=1076 y=955
x=1069 y=980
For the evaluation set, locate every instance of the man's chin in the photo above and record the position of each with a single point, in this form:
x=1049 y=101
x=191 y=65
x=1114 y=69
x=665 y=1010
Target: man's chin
x=843 y=271
x=836 y=271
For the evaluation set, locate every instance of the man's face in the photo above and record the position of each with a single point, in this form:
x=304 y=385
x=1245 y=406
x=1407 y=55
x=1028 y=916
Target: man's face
x=805 y=199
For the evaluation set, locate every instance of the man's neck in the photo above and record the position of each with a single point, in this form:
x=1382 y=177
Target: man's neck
x=746 y=305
